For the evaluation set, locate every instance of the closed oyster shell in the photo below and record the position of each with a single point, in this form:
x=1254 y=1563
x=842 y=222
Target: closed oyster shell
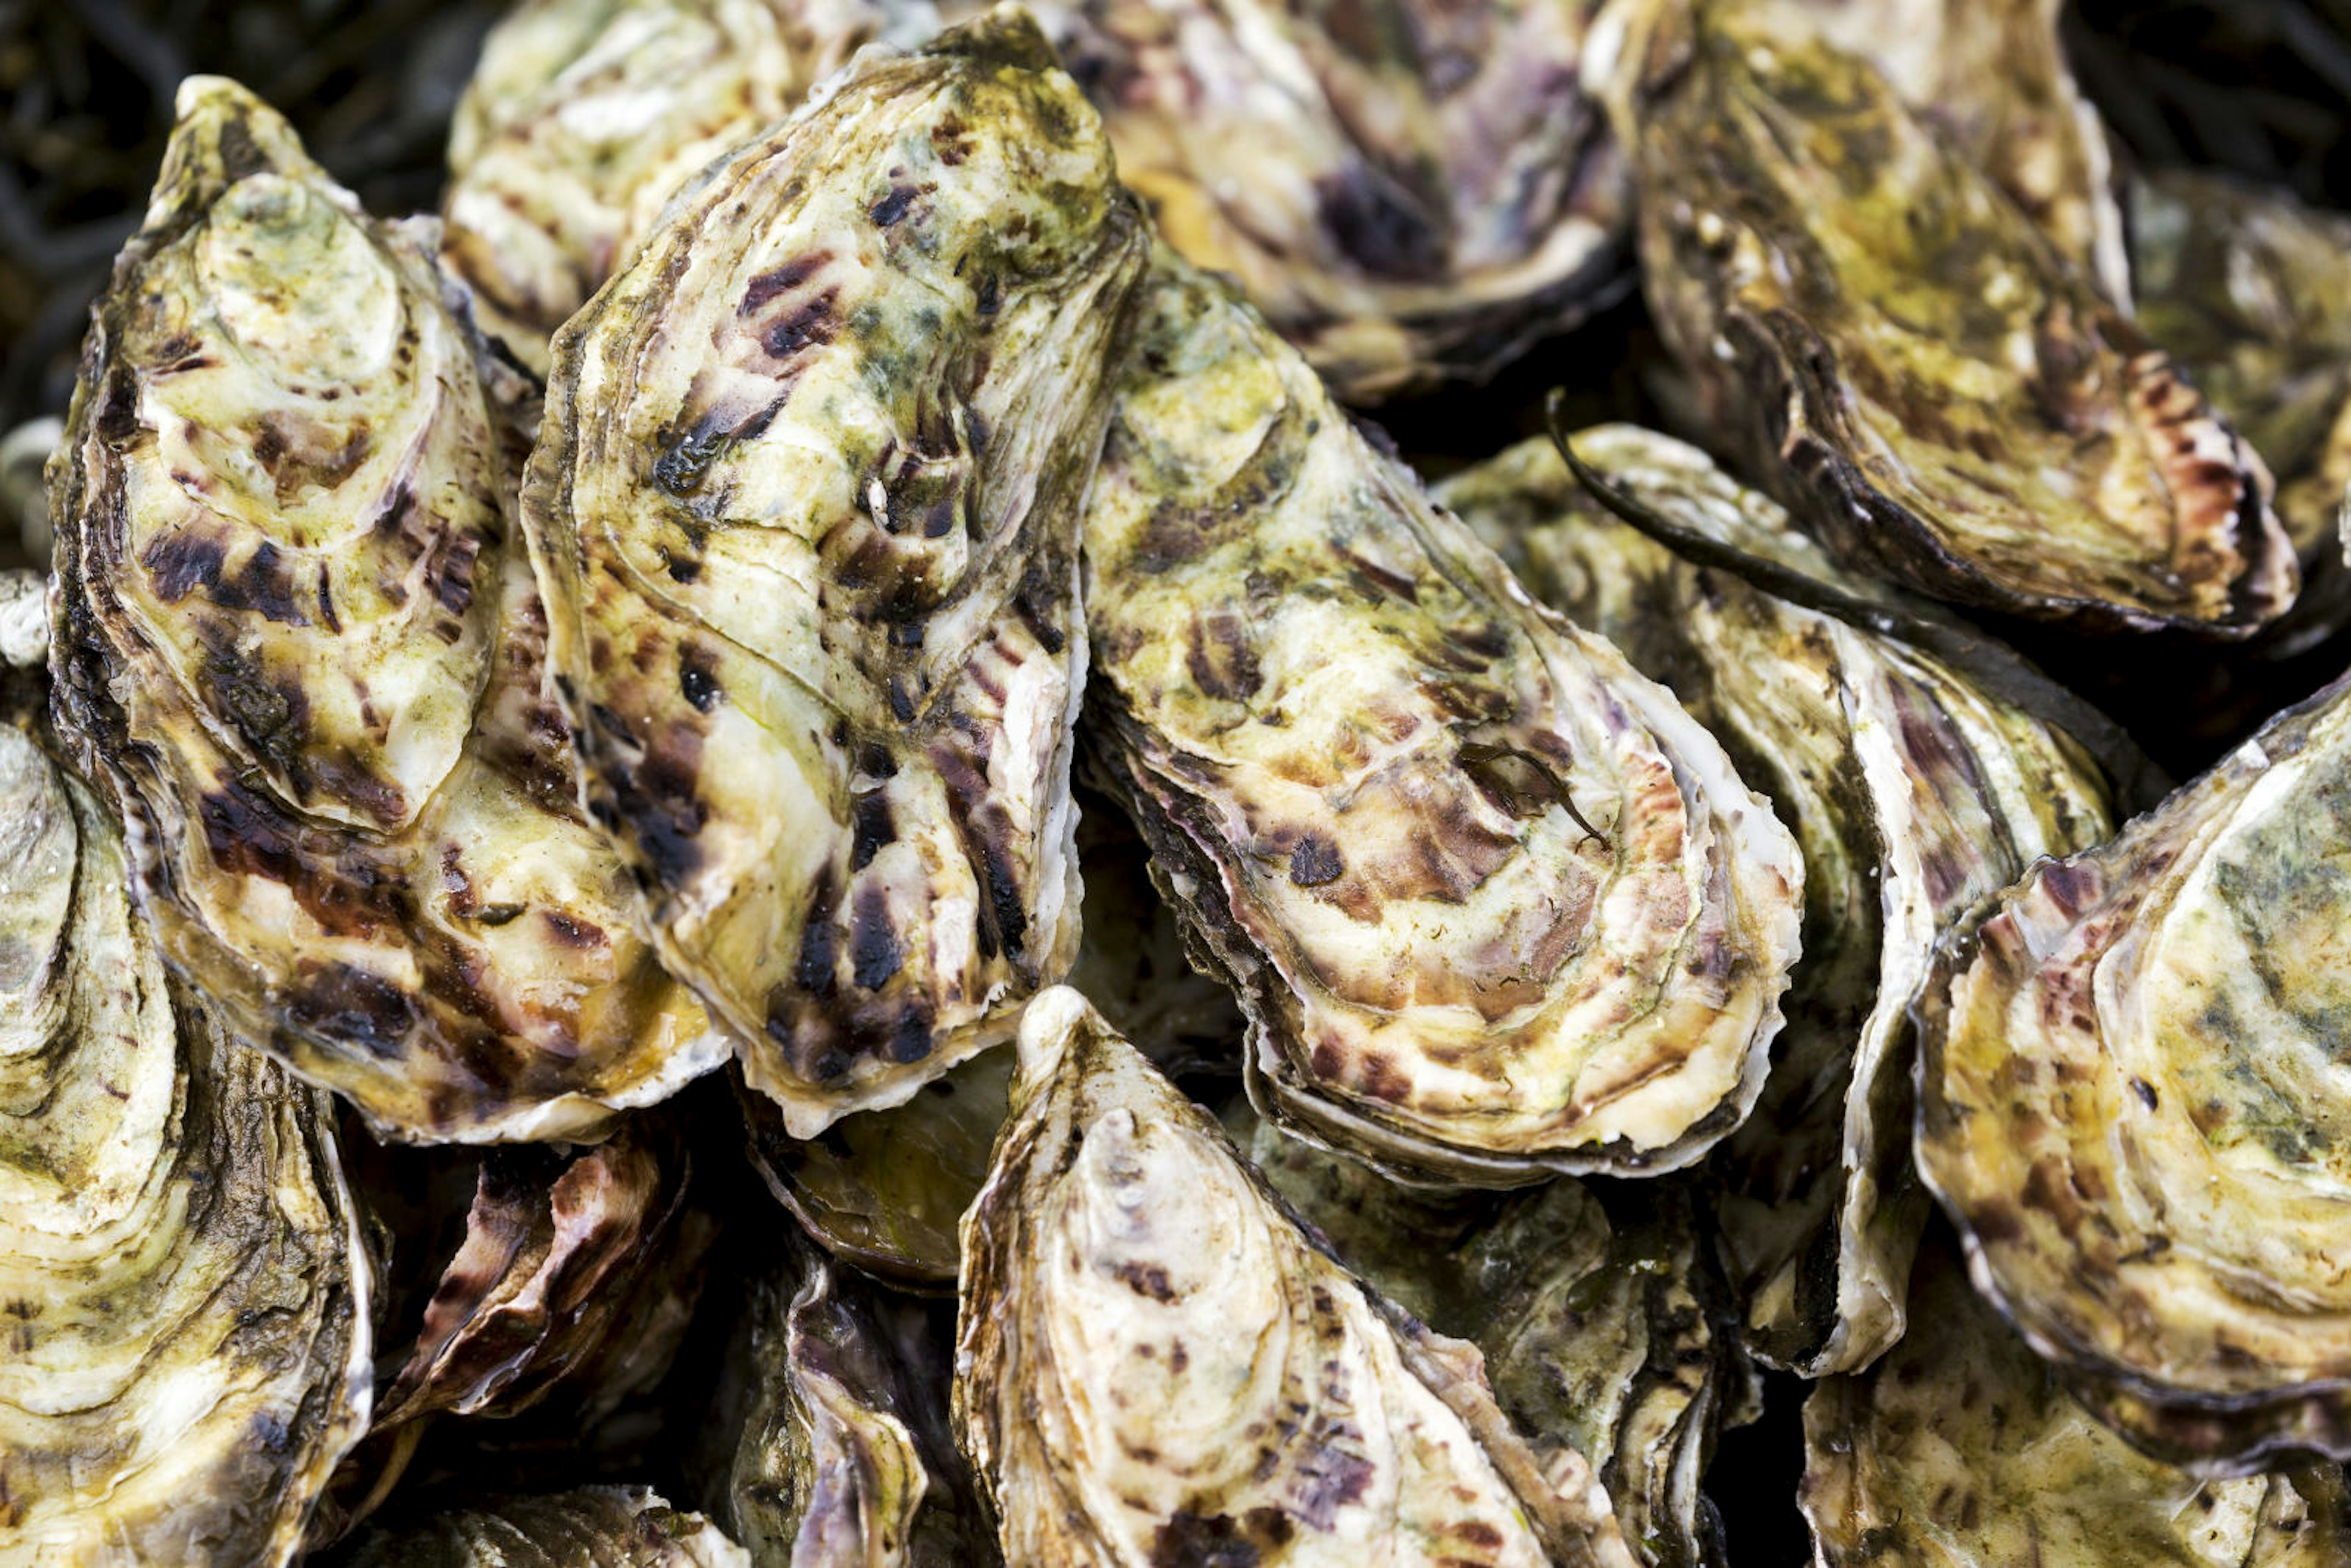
x=2131 y=1104
x=804 y=509
x=1412 y=192
x=186 y=1354
x=1495 y=905
x=1960 y=1450
x=1915 y=791
x=1154 y=1364
x=595 y=1526
x=1592 y=1313
x=585 y=116
x=1905 y=360
x=296 y=641
x=842 y=1457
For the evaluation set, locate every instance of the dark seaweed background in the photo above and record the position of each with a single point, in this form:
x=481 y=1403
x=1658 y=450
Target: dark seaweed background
x=2262 y=88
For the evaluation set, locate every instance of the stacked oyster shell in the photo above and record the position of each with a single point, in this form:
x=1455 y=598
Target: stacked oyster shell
x=1058 y=961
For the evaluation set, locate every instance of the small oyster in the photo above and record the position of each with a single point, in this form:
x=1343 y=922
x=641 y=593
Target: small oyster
x=186 y=1354
x=1495 y=905
x=2131 y=1106
x=805 y=511
x=595 y=1526
x=1960 y=1450
x=1915 y=791
x=2253 y=291
x=585 y=116
x=296 y=642
x=842 y=1455
x=1593 y=1315
x=1154 y=1364
x=1412 y=192
x=1905 y=361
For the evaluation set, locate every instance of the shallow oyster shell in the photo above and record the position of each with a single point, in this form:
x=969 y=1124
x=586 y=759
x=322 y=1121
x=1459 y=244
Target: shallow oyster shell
x=2129 y=1103
x=585 y=116
x=1915 y=790
x=1894 y=349
x=1154 y=1364
x=1495 y=905
x=1960 y=1450
x=595 y=1526
x=296 y=640
x=183 y=1278
x=804 y=510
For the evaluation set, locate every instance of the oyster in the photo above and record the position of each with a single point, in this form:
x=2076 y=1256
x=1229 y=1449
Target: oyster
x=2130 y=1104
x=1412 y=192
x=1908 y=363
x=805 y=511
x=2253 y=291
x=295 y=641
x=585 y=116
x=1915 y=790
x=1154 y=1364
x=186 y=1354
x=595 y=1526
x=1960 y=1450
x=1591 y=1312
x=842 y=1457
x=1495 y=905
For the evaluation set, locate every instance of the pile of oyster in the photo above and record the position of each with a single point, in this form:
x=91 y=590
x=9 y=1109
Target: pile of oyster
x=786 y=845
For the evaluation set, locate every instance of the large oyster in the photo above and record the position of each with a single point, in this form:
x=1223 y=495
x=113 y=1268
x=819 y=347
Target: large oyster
x=1915 y=790
x=186 y=1300
x=595 y=1526
x=296 y=640
x=1411 y=191
x=1593 y=1312
x=805 y=511
x=585 y=116
x=2131 y=1104
x=1903 y=357
x=1958 y=1450
x=842 y=1457
x=1155 y=1364
x=1495 y=903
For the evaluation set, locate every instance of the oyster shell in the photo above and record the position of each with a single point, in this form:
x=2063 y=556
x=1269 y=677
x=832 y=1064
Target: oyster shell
x=295 y=641
x=1412 y=192
x=1154 y=1364
x=1897 y=350
x=843 y=1457
x=1591 y=1312
x=585 y=116
x=1915 y=790
x=2131 y=1104
x=804 y=508
x=1495 y=905
x=182 y=1271
x=1960 y=1450
x=595 y=1526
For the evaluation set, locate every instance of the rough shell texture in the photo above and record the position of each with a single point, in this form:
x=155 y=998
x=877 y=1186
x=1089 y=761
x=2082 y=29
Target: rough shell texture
x=1902 y=356
x=805 y=511
x=1594 y=1317
x=1991 y=76
x=1494 y=903
x=595 y=1526
x=1156 y=1364
x=298 y=642
x=842 y=1457
x=2130 y=1104
x=1915 y=793
x=585 y=116
x=1960 y=1450
x=1411 y=191
x=186 y=1355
